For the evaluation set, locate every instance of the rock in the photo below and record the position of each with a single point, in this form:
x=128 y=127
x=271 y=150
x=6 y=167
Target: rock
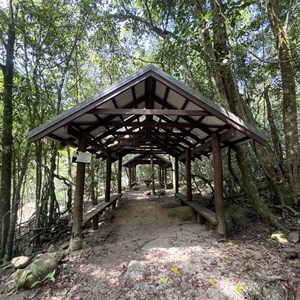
x=135 y=270
x=292 y=253
x=158 y=243
x=183 y=213
x=35 y=272
x=279 y=236
x=106 y=216
x=28 y=251
x=228 y=220
x=160 y=192
x=293 y=237
x=241 y=216
x=21 y=262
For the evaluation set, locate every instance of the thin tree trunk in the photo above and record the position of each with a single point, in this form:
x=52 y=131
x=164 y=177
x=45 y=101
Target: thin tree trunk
x=289 y=105
x=7 y=139
x=17 y=198
x=274 y=130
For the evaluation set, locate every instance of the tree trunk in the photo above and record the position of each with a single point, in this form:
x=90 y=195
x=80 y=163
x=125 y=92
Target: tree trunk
x=251 y=190
x=230 y=97
x=274 y=130
x=7 y=138
x=17 y=198
x=289 y=105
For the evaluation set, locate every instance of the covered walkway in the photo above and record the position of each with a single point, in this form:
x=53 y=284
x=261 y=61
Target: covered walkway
x=149 y=113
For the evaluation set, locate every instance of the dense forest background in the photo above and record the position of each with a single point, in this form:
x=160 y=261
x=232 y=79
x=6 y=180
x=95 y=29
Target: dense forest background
x=56 y=53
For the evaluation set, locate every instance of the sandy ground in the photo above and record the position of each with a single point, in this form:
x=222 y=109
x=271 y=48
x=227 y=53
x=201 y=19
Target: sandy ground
x=177 y=259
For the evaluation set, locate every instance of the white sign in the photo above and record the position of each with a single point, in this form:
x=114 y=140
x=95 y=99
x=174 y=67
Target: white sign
x=82 y=157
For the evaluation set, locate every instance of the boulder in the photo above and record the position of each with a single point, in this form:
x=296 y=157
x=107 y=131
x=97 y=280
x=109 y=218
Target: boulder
x=21 y=262
x=293 y=237
x=135 y=270
x=36 y=272
x=241 y=216
x=183 y=213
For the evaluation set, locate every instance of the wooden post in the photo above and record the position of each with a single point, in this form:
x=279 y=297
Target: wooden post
x=159 y=174
x=76 y=239
x=176 y=181
x=152 y=176
x=129 y=179
x=188 y=175
x=120 y=175
x=218 y=185
x=165 y=175
x=108 y=176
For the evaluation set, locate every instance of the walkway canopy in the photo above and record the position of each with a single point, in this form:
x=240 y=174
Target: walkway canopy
x=147 y=112
x=146 y=159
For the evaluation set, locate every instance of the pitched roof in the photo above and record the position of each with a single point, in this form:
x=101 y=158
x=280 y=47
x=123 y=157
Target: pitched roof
x=148 y=112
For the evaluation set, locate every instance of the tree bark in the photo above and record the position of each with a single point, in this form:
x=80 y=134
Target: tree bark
x=17 y=198
x=289 y=99
x=7 y=139
x=251 y=190
x=228 y=91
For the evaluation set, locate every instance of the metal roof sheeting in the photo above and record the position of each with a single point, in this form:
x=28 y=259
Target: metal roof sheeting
x=147 y=112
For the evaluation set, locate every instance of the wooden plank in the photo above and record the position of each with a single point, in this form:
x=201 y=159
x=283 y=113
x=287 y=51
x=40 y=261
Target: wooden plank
x=96 y=210
x=201 y=210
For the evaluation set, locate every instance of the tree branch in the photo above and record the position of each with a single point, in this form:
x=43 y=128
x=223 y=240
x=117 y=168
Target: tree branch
x=129 y=16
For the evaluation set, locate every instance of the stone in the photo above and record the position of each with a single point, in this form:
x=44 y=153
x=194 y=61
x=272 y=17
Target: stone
x=21 y=262
x=241 y=216
x=160 y=192
x=106 y=216
x=35 y=272
x=135 y=270
x=158 y=243
x=293 y=237
x=28 y=251
x=228 y=220
x=183 y=213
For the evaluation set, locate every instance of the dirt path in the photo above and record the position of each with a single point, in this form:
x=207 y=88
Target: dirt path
x=174 y=259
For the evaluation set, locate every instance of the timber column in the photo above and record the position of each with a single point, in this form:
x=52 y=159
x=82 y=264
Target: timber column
x=120 y=175
x=218 y=184
x=108 y=176
x=76 y=239
x=176 y=181
x=188 y=171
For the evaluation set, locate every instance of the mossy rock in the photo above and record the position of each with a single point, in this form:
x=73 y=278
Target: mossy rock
x=183 y=213
x=35 y=273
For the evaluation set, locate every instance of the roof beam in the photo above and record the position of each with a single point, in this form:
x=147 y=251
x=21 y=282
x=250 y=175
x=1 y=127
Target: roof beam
x=147 y=123
x=203 y=147
x=149 y=112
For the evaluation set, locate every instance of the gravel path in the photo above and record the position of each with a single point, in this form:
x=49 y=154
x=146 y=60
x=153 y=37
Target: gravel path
x=169 y=259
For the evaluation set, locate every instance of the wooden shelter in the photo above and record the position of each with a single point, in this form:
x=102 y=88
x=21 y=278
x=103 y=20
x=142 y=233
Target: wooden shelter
x=148 y=159
x=148 y=112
